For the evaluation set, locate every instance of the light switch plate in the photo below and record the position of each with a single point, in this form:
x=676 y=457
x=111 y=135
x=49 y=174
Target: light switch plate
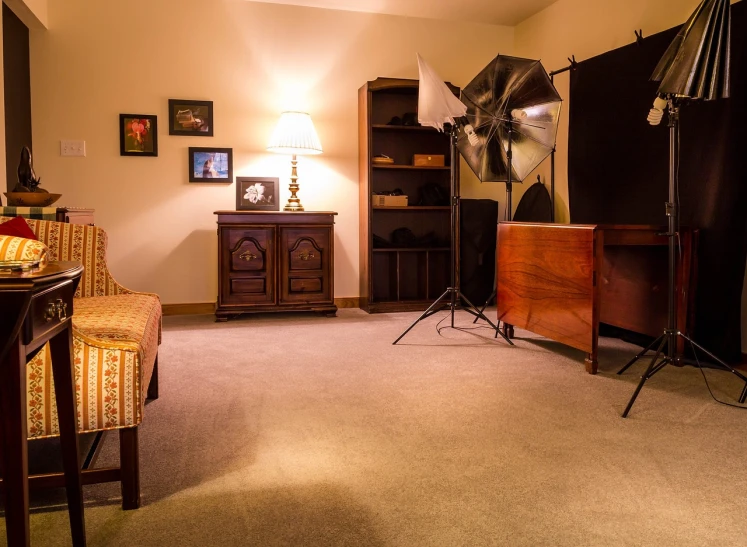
x=73 y=148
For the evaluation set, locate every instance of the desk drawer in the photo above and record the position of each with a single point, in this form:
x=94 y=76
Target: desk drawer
x=48 y=309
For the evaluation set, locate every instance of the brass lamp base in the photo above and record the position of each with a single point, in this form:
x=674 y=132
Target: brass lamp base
x=294 y=204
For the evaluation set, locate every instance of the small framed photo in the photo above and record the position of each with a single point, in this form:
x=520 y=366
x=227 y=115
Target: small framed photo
x=138 y=135
x=190 y=118
x=210 y=164
x=257 y=194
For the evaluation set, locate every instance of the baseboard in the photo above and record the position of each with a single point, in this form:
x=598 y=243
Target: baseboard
x=348 y=302
x=198 y=308
x=203 y=308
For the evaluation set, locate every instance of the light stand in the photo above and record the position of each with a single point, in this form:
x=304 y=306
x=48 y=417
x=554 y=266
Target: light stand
x=669 y=338
x=453 y=296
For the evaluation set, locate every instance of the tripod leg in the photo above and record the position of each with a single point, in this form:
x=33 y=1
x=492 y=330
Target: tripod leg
x=644 y=352
x=481 y=315
x=425 y=314
x=645 y=377
x=720 y=363
x=485 y=305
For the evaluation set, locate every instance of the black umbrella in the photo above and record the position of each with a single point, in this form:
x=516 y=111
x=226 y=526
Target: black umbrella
x=512 y=99
x=696 y=65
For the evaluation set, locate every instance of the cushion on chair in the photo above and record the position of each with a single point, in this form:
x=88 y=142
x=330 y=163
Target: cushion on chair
x=115 y=341
x=18 y=248
x=17 y=227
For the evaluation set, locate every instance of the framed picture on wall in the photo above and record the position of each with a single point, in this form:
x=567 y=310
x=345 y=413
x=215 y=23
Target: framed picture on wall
x=138 y=135
x=210 y=164
x=190 y=118
x=257 y=194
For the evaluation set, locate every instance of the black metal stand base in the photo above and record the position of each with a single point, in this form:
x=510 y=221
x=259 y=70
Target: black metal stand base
x=655 y=366
x=452 y=298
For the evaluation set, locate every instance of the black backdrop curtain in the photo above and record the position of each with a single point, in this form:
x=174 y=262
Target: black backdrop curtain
x=618 y=169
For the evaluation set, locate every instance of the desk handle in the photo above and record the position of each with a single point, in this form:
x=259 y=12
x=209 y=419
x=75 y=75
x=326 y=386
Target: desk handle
x=61 y=309
x=248 y=256
x=305 y=255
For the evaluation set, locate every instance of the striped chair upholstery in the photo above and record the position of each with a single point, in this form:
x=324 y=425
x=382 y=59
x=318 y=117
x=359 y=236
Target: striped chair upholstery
x=116 y=333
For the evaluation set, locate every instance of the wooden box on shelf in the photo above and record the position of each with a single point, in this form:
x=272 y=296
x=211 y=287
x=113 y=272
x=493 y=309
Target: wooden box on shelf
x=272 y=262
x=429 y=160
x=392 y=277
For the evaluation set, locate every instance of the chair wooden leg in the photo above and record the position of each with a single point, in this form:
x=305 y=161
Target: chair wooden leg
x=153 y=386
x=129 y=462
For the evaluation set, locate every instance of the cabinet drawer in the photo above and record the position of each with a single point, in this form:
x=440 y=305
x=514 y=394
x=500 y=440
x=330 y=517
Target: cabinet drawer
x=49 y=309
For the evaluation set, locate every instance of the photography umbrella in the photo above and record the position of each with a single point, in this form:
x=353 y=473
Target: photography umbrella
x=514 y=110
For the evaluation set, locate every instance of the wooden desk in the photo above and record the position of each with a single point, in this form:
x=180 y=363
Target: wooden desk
x=36 y=309
x=562 y=280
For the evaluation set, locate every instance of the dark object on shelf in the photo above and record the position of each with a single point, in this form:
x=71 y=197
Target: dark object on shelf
x=433 y=194
x=396 y=120
x=381 y=243
x=535 y=205
x=275 y=262
x=410 y=119
x=395 y=192
x=27 y=179
x=477 y=237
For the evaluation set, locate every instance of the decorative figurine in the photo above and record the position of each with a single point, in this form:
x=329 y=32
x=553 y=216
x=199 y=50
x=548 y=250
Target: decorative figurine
x=27 y=180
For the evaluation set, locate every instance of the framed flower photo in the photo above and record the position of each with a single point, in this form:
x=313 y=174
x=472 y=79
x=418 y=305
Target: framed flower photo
x=210 y=164
x=138 y=135
x=190 y=118
x=257 y=194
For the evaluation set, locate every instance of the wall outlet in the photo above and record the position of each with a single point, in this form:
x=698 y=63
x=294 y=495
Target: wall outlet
x=73 y=148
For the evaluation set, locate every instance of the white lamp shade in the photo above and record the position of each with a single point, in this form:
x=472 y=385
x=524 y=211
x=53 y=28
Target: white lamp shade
x=295 y=134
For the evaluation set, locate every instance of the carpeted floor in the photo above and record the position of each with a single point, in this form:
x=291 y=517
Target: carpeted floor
x=305 y=430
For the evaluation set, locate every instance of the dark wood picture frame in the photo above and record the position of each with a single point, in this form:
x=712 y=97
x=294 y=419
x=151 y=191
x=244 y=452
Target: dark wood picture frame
x=129 y=139
x=267 y=200
x=198 y=157
x=183 y=109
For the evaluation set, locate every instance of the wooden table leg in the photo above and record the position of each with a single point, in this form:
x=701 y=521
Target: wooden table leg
x=14 y=449
x=63 y=372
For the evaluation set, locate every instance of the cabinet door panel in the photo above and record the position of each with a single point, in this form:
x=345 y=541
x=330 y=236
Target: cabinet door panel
x=248 y=265
x=305 y=262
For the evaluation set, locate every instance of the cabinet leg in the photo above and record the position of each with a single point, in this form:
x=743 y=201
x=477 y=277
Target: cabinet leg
x=591 y=363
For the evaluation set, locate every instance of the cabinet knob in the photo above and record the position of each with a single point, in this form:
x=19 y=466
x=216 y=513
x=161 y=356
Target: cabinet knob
x=305 y=255
x=248 y=256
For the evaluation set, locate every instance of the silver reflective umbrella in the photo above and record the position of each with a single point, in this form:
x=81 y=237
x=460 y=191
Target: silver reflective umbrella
x=512 y=100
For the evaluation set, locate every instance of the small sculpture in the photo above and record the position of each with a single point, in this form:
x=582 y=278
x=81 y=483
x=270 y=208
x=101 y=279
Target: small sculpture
x=27 y=180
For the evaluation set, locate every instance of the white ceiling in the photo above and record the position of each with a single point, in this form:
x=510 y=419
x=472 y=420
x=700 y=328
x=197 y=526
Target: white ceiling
x=496 y=12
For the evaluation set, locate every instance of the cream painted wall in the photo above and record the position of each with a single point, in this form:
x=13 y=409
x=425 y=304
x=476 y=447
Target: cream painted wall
x=254 y=61
x=586 y=28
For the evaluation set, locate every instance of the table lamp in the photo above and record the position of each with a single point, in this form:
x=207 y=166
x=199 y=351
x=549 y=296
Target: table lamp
x=294 y=134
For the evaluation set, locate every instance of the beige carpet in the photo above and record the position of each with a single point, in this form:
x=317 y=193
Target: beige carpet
x=305 y=430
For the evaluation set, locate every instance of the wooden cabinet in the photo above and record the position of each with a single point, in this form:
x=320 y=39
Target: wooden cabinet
x=271 y=261
x=404 y=251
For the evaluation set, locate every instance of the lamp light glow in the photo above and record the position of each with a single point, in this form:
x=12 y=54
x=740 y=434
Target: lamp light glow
x=294 y=134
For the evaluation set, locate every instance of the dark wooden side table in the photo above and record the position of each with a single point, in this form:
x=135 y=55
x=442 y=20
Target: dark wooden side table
x=36 y=308
x=275 y=262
